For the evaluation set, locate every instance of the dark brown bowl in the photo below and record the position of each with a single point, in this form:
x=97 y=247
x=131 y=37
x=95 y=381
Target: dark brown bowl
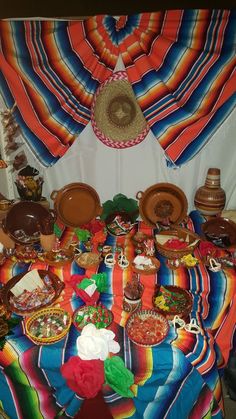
x=25 y=216
x=220 y=231
x=182 y=311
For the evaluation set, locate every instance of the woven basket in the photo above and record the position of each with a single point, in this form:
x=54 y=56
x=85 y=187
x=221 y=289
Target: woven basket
x=180 y=233
x=58 y=312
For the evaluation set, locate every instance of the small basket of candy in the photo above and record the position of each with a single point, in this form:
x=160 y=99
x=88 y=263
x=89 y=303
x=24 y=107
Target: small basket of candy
x=48 y=325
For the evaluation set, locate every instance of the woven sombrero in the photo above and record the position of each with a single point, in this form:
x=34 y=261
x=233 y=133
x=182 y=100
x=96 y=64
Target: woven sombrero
x=116 y=117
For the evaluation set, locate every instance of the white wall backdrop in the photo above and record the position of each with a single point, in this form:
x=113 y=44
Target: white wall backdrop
x=128 y=171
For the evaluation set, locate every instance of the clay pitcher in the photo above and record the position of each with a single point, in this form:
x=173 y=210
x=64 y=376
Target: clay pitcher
x=210 y=198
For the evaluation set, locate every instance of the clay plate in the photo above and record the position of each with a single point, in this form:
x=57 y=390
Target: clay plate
x=88 y=260
x=54 y=259
x=162 y=201
x=147 y=270
x=76 y=204
x=57 y=284
x=220 y=231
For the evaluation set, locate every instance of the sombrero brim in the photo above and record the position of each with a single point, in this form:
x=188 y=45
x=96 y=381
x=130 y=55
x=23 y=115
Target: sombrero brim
x=117 y=119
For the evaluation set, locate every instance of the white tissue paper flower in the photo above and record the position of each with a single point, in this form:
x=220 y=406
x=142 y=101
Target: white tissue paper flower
x=96 y=343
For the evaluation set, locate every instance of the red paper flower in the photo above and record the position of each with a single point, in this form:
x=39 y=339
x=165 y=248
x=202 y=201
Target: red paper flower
x=84 y=377
x=208 y=249
x=176 y=244
x=94 y=226
x=75 y=279
x=99 y=237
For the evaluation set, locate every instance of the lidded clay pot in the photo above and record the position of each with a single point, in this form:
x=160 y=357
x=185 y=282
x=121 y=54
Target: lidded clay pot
x=210 y=198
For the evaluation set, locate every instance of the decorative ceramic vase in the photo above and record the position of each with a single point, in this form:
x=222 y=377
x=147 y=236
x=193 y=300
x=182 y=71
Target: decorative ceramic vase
x=210 y=198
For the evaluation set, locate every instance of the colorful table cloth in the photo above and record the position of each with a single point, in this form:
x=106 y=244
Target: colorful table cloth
x=178 y=378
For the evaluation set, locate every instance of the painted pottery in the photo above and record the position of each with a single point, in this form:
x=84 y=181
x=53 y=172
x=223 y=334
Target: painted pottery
x=210 y=198
x=76 y=204
x=162 y=202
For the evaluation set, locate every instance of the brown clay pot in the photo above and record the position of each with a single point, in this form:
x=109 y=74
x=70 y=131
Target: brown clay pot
x=210 y=198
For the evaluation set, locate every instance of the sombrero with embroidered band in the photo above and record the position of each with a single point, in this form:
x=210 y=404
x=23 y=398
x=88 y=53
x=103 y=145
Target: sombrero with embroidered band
x=116 y=117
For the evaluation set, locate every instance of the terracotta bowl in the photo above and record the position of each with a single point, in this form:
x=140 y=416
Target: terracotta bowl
x=76 y=204
x=162 y=201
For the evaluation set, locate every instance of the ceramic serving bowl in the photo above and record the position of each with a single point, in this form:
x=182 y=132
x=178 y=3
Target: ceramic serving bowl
x=220 y=231
x=162 y=202
x=22 y=221
x=98 y=315
x=147 y=328
x=56 y=285
x=119 y=223
x=172 y=301
x=76 y=204
x=178 y=233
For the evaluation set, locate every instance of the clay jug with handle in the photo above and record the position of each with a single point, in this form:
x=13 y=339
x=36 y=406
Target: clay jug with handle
x=210 y=199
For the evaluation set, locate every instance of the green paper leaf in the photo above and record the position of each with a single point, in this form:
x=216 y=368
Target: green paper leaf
x=57 y=231
x=108 y=208
x=120 y=203
x=118 y=377
x=84 y=283
x=101 y=281
x=82 y=235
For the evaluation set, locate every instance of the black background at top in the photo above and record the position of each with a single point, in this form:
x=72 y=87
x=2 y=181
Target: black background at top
x=77 y=8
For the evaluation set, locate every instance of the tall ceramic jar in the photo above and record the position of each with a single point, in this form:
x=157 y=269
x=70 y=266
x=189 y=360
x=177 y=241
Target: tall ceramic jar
x=210 y=198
